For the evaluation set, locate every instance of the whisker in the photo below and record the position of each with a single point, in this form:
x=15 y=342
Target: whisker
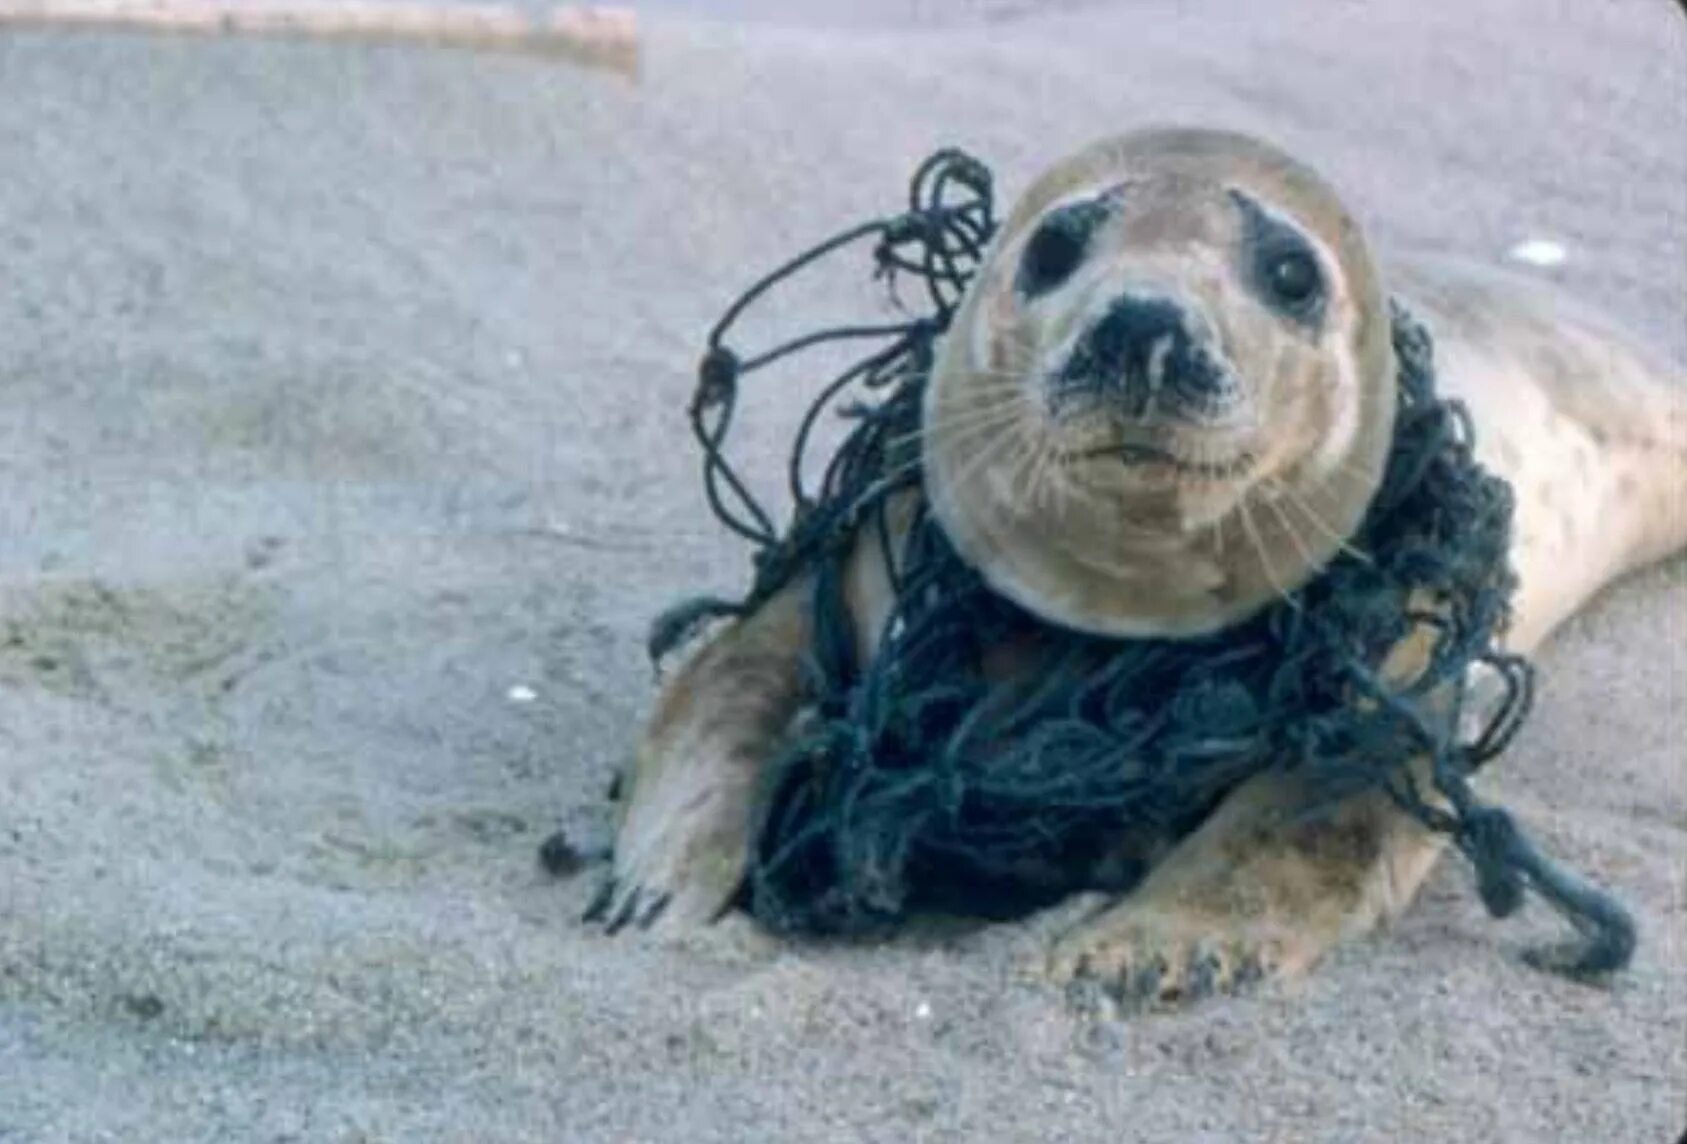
x=1012 y=466
x=981 y=407
x=985 y=455
x=1353 y=472
x=1005 y=376
x=1042 y=486
x=1000 y=414
x=1294 y=535
x=959 y=440
x=1264 y=560
x=1025 y=473
x=1318 y=522
x=952 y=427
x=1024 y=469
x=1062 y=491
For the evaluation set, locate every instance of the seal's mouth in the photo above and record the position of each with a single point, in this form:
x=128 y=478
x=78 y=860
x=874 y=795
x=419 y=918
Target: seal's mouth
x=1158 y=458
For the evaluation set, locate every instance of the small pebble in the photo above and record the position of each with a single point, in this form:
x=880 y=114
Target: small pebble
x=146 y=1006
x=560 y=857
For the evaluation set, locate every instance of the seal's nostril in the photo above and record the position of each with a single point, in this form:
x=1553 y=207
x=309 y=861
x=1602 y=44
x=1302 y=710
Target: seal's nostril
x=1136 y=331
x=1142 y=352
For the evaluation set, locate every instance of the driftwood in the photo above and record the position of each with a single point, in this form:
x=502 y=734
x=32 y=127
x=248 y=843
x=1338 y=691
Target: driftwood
x=604 y=37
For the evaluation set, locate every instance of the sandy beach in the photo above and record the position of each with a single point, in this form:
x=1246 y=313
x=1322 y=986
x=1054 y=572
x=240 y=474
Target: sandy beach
x=343 y=464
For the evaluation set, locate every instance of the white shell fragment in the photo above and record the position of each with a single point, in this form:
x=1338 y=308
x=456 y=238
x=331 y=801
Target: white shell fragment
x=1538 y=252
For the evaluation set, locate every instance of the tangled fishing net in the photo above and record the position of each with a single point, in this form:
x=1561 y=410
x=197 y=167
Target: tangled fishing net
x=914 y=782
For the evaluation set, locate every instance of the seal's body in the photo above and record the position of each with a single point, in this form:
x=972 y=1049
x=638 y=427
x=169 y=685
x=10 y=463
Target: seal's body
x=1165 y=403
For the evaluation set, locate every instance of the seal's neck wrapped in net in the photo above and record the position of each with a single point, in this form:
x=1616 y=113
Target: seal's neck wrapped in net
x=916 y=780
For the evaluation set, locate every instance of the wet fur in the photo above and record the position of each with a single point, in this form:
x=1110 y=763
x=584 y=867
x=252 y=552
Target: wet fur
x=1591 y=434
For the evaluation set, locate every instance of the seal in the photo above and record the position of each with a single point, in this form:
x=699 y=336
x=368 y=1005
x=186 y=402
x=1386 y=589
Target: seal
x=1166 y=402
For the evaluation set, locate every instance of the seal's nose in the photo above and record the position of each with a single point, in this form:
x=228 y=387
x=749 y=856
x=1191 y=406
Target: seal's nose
x=1134 y=332
x=1142 y=353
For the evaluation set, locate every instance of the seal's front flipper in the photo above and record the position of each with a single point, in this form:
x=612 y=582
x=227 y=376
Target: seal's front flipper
x=1261 y=890
x=683 y=837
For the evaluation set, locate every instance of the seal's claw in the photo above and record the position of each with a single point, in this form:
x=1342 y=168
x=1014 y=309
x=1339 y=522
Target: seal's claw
x=625 y=909
x=670 y=883
x=598 y=907
x=1205 y=972
x=652 y=910
x=1249 y=973
x=1084 y=995
x=1148 y=981
x=1151 y=959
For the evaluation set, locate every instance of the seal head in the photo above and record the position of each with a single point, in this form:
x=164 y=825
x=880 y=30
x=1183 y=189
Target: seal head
x=1169 y=395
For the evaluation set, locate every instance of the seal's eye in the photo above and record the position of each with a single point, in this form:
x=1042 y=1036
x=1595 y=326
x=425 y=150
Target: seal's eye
x=1281 y=263
x=1293 y=278
x=1057 y=247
